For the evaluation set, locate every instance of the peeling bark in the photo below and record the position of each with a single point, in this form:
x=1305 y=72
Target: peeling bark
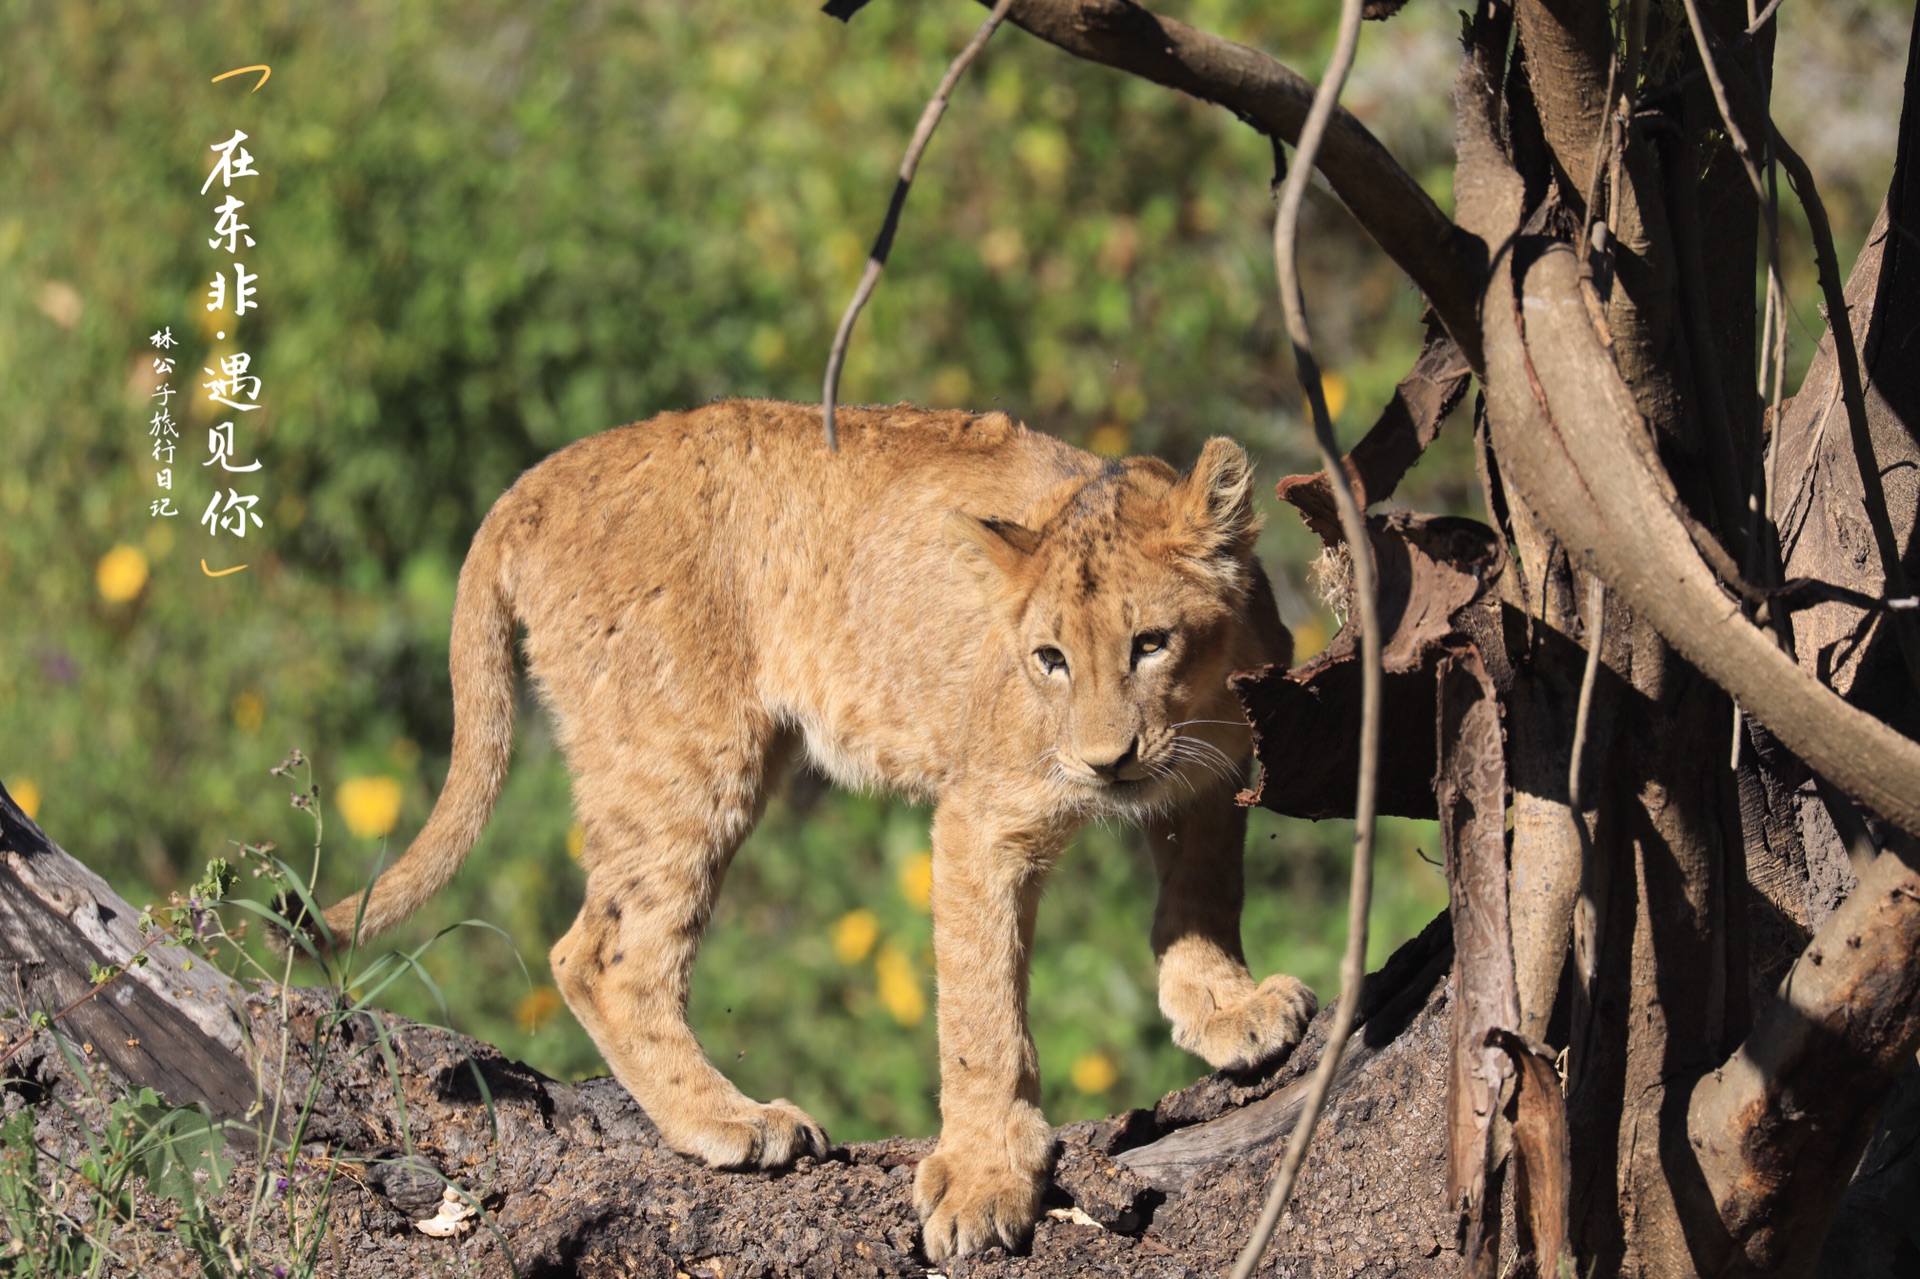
x=167 y=1023
x=1540 y=1159
x=1430 y=567
x=1471 y=791
x=1773 y=1128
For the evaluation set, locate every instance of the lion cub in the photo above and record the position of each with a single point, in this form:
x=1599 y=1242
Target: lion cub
x=951 y=608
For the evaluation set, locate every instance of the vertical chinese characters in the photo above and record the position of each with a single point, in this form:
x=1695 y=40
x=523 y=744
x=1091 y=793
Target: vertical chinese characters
x=234 y=387
x=162 y=428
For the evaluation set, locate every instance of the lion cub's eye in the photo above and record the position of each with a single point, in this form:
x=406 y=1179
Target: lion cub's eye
x=1052 y=660
x=1147 y=643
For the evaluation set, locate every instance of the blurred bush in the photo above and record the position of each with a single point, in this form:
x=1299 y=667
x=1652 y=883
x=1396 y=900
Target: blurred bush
x=483 y=233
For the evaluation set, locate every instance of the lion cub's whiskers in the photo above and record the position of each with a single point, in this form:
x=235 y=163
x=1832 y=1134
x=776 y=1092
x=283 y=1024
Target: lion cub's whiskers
x=1205 y=754
x=1196 y=749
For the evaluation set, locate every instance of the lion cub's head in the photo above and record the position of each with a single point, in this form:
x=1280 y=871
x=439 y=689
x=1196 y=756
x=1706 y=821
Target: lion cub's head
x=1124 y=599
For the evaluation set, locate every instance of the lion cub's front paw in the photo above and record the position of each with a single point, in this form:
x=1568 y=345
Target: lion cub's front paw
x=750 y=1135
x=1253 y=1027
x=967 y=1203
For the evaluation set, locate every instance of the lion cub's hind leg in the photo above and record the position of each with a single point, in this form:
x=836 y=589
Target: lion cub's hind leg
x=659 y=838
x=1217 y=1009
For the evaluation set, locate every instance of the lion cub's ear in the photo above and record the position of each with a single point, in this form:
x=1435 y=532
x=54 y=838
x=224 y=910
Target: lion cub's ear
x=989 y=553
x=1212 y=505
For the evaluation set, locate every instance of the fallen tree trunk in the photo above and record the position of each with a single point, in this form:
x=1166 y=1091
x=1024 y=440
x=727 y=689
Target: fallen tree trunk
x=166 y=1023
x=573 y=1178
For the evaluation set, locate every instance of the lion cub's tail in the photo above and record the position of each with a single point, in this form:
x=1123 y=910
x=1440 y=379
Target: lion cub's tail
x=482 y=667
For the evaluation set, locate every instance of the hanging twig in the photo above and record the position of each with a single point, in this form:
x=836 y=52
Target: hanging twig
x=1760 y=20
x=1773 y=359
x=1763 y=564
x=1852 y=390
x=1446 y=262
x=1770 y=216
x=1760 y=563
x=1712 y=72
x=1853 y=395
x=883 y=243
x=1589 y=906
x=1735 y=45
x=1353 y=525
x=1773 y=350
x=1596 y=635
x=1603 y=147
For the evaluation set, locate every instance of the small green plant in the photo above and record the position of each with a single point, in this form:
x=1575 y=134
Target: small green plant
x=43 y=1236
x=61 y=1207
x=70 y=1211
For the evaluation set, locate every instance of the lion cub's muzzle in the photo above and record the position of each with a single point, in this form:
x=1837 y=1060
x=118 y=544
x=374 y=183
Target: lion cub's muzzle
x=1109 y=764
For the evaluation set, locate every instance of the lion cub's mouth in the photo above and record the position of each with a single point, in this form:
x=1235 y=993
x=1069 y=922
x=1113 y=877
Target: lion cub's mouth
x=1123 y=785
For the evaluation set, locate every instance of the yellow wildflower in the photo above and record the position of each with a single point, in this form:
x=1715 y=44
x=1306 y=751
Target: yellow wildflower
x=1094 y=1073
x=371 y=805
x=27 y=795
x=1334 y=388
x=539 y=1006
x=899 y=988
x=854 y=934
x=1111 y=440
x=916 y=880
x=121 y=574
x=1309 y=638
x=952 y=384
x=248 y=711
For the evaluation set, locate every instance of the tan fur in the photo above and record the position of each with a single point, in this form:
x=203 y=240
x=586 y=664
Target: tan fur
x=706 y=592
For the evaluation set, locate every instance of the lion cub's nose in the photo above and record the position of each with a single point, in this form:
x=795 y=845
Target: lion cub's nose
x=1110 y=769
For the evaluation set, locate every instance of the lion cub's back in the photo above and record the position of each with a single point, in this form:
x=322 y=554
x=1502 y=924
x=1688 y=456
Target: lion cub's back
x=743 y=479
x=648 y=560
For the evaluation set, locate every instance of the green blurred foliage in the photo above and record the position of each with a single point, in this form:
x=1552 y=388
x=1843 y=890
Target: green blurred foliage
x=483 y=234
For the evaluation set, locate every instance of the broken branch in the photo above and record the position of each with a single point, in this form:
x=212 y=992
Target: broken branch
x=1770 y=1128
x=1411 y=421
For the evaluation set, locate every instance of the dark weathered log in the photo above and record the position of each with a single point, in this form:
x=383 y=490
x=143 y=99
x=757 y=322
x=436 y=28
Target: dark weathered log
x=575 y=1180
x=167 y=1023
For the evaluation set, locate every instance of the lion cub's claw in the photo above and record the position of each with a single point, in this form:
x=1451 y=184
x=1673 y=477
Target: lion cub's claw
x=770 y=1135
x=966 y=1205
x=1259 y=1025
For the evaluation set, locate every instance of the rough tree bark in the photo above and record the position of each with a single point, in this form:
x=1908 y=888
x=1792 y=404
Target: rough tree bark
x=1622 y=450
